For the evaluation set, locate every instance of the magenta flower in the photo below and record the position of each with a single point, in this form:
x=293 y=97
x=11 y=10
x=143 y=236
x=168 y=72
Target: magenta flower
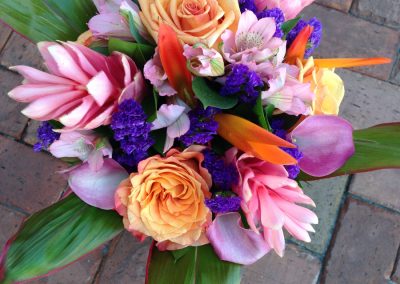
x=290 y=8
x=269 y=200
x=82 y=89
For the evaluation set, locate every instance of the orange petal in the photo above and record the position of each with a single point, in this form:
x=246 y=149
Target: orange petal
x=299 y=46
x=174 y=63
x=350 y=62
x=253 y=139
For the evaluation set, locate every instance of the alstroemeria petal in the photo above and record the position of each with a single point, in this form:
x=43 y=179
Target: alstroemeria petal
x=326 y=142
x=232 y=242
x=97 y=188
x=167 y=115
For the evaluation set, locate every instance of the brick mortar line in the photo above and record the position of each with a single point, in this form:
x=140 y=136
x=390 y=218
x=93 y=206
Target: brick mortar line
x=305 y=249
x=16 y=209
x=373 y=203
x=395 y=264
x=5 y=43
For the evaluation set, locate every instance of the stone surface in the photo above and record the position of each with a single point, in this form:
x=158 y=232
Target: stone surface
x=379 y=187
x=384 y=12
x=20 y=51
x=5 y=33
x=12 y=122
x=396 y=273
x=295 y=267
x=9 y=223
x=30 y=132
x=395 y=78
x=80 y=272
x=327 y=195
x=342 y=5
x=126 y=262
x=347 y=36
x=369 y=101
x=365 y=247
x=29 y=180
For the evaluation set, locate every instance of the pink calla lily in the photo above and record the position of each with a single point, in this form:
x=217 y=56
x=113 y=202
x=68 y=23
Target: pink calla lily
x=233 y=243
x=97 y=188
x=326 y=142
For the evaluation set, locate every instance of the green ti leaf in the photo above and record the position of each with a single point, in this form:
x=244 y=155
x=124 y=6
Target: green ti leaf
x=56 y=237
x=289 y=25
x=140 y=53
x=210 y=97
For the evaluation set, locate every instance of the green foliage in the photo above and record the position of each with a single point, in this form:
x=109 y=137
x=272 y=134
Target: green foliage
x=289 y=25
x=192 y=265
x=210 y=97
x=140 y=53
x=57 y=236
x=41 y=20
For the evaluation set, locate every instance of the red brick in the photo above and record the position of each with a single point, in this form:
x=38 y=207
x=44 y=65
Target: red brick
x=126 y=262
x=9 y=224
x=20 y=51
x=295 y=267
x=5 y=33
x=342 y=5
x=365 y=247
x=12 y=122
x=29 y=180
x=384 y=12
x=348 y=36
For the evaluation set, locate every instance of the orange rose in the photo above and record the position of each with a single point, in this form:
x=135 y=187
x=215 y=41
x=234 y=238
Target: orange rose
x=165 y=199
x=193 y=20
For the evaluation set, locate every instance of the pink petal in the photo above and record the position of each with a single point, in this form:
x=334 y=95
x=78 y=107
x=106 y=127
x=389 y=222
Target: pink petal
x=75 y=116
x=271 y=216
x=97 y=188
x=91 y=61
x=100 y=88
x=72 y=149
x=95 y=160
x=33 y=75
x=297 y=212
x=326 y=143
x=50 y=62
x=233 y=243
x=247 y=20
x=110 y=25
x=276 y=240
x=107 y=6
x=102 y=118
x=29 y=92
x=266 y=27
x=297 y=231
x=179 y=127
x=167 y=115
x=135 y=89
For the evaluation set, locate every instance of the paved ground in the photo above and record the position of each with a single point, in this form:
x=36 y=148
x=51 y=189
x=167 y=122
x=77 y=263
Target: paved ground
x=358 y=238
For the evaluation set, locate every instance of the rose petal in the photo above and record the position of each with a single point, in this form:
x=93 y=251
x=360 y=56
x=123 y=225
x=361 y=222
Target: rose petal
x=326 y=143
x=232 y=242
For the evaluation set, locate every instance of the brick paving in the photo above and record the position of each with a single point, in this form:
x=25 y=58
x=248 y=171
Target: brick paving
x=358 y=236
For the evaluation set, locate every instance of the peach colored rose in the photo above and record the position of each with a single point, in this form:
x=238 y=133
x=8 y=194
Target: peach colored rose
x=165 y=199
x=193 y=20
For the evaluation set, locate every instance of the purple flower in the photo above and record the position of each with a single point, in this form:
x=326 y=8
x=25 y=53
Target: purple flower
x=132 y=131
x=46 y=136
x=224 y=175
x=315 y=37
x=223 y=204
x=247 y=5
x=242 y=82
x=203 y=127
x=293 y=170
x=279 y=17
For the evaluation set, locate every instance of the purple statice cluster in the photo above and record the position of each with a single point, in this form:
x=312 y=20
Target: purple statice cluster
x=278 y=16
x=242 y=82
x=131 y=130
x=45 y=136
x=315 y=37
x=203 y=127
x=224 y=175
x=247 y=5
x=293 y=170
x=223 y=204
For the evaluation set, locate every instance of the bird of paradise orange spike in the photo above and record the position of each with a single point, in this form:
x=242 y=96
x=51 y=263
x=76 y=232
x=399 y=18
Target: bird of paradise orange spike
x=253 y=139
x=174 y=63
x=298 y=49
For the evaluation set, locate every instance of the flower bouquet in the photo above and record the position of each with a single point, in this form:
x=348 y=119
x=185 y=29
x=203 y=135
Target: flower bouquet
x=190 y=122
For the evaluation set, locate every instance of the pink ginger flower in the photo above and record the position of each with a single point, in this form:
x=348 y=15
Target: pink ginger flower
x=253 y=42
x=290 y=8
x=269 y=200
x=82 y=89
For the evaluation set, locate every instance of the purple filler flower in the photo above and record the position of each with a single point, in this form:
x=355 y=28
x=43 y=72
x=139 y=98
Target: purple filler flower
x=279 y=17
x=45 y=136
x=247 y=5
x=222 y=204
x=315 y=37
x=293 y=170
x=244 y=83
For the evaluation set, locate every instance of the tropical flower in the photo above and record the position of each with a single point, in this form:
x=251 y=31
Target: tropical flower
x=289 y=7
x=269 y=200
x=83 y=88
x=165 y=199
x=203 y=61
x=193 y=20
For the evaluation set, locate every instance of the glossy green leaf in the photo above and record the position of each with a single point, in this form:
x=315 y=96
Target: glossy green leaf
x=41 y=20
x=377 y=148
x=140 y=53
x=289 y=25
x=192 y=265
x=57 y=236
x=210 y=97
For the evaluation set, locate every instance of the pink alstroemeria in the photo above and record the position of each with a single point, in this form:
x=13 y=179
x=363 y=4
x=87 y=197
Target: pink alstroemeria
x=97 y=188
x=253 y=42
x=287 y=93
x=83 y=88
x=269 y=200
x=173 y=117
x=84 y=145
x=326 y=142
x=290 y=8
x=154 y=72
x=204 y=61
x=113 y=20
